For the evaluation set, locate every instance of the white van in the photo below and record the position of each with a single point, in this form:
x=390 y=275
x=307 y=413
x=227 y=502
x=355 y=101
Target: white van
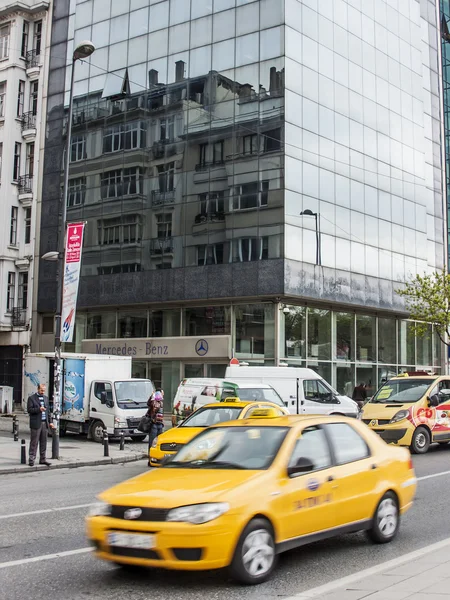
x=196 y=392
x=302 y=390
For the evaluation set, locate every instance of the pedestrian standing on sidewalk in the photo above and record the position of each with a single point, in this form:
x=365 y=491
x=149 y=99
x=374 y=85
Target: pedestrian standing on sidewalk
x=156 y=414
x=39 y=410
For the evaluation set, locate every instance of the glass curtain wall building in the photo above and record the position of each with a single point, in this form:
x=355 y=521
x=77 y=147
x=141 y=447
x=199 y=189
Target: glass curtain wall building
x=202 y=129
x=445 y=41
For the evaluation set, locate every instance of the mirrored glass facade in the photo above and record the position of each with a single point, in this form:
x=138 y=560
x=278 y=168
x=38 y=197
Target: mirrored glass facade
x=203 y=128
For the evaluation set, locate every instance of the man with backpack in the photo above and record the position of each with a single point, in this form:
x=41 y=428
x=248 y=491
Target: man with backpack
x=156 y=414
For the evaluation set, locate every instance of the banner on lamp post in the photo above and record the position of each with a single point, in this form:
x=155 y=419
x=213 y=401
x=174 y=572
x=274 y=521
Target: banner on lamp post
x=72 y=267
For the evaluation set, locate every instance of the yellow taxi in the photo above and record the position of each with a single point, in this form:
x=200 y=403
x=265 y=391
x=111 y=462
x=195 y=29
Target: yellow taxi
x=411 y=410
x=242 y=492
x=169 y=442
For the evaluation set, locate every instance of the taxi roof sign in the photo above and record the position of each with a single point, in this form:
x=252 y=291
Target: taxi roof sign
x=263 y=413
x=231 y=399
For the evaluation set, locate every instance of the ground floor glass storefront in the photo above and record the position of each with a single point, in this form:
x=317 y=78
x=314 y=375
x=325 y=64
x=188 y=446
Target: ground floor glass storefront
x=344 y=347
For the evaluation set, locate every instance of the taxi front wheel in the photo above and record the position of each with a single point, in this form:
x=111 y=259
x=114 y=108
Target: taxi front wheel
x=254 y=558
x=386 y=520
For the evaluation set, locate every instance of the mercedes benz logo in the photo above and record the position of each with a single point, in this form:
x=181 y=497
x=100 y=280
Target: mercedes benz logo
x=201 y=347
x=132 y=513
x=373 y=422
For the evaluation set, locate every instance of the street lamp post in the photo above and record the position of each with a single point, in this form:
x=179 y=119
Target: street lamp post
x=310 y=213
x=81 y=52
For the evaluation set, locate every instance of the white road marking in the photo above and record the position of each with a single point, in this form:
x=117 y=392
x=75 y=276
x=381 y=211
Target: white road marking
x=433 y=475
x=45 y=510
x=386 y=566
x=25 y=561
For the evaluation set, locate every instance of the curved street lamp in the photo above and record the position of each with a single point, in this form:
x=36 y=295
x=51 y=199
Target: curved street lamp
x=310 y=213
x=82 y=51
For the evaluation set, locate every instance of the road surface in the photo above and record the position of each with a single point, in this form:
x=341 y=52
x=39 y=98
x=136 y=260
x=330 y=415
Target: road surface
x=79 y=576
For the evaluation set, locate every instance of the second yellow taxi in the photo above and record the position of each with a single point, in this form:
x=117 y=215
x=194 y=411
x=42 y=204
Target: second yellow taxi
x=242 y=492
x=169 y=442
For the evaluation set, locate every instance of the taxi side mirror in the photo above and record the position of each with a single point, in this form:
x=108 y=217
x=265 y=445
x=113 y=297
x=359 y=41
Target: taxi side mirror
x=434 y=400
x=303 y=465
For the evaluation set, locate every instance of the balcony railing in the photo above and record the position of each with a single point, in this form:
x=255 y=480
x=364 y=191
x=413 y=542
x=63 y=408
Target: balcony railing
x=32 y=59
x=25 y=184
x=210 y=217
x=204 y=166
x=28 y=121
x=162 y=198
x=161 y=246
x=19 y=317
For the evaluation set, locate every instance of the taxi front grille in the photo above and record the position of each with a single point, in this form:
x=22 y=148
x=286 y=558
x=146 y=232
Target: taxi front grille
x=379 y=421
x=154 y=515
x=134 y=553
x=167 y=447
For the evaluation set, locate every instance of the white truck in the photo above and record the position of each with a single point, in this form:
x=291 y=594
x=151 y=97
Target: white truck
x=301 y=389
x=98 y=393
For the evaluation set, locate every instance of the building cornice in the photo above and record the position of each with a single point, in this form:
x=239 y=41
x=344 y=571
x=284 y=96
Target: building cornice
x=24 y=8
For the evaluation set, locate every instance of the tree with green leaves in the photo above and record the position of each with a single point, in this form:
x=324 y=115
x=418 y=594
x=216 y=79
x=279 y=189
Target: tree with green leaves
x=427 y=299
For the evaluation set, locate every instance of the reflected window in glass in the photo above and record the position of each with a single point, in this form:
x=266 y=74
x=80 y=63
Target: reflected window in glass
x=251 y=249
x=365 y=338
x=387 y=341
x=132 y=324
x=250 y=195
x=319 y=334
x=345 y=336
x=210 y=320
x=295 y=332
x=76 y=192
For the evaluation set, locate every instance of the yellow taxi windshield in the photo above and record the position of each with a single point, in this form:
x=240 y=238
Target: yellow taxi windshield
x=249 y=447
x=404 y=390
x=205 y=417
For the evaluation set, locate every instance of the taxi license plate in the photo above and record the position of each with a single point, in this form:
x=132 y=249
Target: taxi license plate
x=167 y=455
x=132 y=540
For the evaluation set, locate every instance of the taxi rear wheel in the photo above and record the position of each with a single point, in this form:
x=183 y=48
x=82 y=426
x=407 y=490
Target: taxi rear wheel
x=255 y=556
x=386 y=520
x=421 y=441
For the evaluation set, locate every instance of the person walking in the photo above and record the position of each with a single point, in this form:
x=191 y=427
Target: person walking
x=360 y=394
x=156 y=414
x=39 y=410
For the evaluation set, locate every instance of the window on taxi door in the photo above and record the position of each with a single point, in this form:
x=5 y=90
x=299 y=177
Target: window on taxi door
x=348 y=445
x=313 y=445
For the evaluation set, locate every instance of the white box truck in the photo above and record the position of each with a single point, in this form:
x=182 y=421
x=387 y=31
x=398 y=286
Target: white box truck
x=98 y=393
x=302 y=390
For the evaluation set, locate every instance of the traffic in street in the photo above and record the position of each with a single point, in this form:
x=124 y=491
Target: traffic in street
x=44 y=551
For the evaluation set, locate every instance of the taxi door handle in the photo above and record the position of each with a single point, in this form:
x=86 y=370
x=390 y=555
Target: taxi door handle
x=330 y=478
x=374 y=467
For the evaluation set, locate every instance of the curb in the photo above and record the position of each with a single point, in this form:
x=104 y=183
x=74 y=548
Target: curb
x=102 y=461
x=342 y=584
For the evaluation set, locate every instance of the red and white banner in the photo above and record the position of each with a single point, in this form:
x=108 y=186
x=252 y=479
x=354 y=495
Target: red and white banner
x=72 y=268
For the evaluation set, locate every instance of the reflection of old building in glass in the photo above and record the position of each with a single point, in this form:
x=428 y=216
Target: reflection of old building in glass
x=201 y=131
x=24 y=29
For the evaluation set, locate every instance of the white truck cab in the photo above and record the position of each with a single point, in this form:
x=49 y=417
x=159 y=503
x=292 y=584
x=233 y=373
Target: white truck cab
x=302 y=390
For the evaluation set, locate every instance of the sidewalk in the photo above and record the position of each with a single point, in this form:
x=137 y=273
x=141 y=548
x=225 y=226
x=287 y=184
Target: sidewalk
x=75 y=451
x=420 y=575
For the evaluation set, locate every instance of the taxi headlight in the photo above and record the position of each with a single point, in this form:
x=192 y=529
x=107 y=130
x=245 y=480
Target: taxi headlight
x=100 y=509
x=402 y=414
x=155 y=442
x=198 y=513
